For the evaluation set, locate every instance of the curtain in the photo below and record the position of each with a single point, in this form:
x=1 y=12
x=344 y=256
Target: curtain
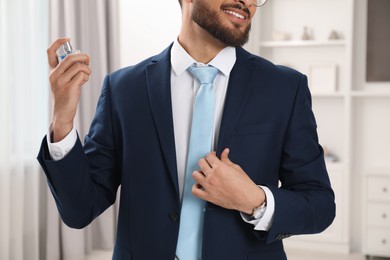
x=93 y=26
x=23 y=119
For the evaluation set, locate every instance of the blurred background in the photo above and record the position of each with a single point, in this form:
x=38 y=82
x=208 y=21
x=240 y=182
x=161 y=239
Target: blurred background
x=341 y=45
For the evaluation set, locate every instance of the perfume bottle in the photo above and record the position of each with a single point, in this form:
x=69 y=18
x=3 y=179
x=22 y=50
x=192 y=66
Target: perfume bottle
x=65 y=51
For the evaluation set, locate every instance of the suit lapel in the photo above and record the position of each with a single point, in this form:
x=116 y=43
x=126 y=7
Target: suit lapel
x=239 y=87
x=158 y=77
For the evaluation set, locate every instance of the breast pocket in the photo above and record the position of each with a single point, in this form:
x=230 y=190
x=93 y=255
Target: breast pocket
x=257 y=129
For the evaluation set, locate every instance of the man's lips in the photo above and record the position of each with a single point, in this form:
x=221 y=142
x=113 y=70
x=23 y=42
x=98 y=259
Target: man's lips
x=240 y=16
x=237 y=11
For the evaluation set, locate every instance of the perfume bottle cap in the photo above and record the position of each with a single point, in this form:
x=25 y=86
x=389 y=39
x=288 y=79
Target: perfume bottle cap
x=67 y=47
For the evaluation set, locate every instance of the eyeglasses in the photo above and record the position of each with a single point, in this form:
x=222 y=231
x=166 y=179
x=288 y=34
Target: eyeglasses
x=258 y=3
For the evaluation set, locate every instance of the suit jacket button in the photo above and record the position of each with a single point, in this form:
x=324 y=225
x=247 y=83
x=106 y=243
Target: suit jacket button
x=174 y=216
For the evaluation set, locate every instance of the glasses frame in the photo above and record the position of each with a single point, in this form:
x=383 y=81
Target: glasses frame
x=262 y=2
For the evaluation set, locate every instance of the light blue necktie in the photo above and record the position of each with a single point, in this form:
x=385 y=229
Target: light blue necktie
x=189 y=245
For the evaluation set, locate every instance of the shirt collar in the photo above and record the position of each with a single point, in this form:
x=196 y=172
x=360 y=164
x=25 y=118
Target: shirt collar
x=181 y=60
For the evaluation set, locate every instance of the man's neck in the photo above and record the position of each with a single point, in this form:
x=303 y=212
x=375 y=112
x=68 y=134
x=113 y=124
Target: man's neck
x=200 y=45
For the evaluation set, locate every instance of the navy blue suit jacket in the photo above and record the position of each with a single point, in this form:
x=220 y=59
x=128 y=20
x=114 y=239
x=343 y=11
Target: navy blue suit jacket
x=268 y=125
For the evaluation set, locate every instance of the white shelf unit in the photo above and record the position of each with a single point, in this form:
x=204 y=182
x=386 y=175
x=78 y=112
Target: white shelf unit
x=371 y=93
x=300 y=43
x=372 y=164
x=333 y=108
x=371 y=153
x=376 y=217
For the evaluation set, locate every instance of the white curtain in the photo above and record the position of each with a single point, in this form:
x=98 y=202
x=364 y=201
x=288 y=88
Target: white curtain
x=30 y=228
x=93 y=26
x=23 y=120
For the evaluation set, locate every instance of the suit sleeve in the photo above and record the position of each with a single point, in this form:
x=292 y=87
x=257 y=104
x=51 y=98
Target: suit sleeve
x=304 y=204
x=85 y=181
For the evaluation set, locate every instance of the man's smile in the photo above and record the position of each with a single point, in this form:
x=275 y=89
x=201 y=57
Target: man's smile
x=236 y=14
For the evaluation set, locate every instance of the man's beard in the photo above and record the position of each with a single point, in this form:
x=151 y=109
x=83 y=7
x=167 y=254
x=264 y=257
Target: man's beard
x=210 y=22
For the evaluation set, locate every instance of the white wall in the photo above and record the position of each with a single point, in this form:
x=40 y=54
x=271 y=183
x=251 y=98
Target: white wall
x=147 y=27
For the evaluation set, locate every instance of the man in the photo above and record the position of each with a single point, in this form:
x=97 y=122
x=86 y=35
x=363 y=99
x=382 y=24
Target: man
x=142 y=136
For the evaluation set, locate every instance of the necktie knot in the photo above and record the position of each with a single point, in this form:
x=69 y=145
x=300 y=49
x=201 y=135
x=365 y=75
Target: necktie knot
x=204 y=74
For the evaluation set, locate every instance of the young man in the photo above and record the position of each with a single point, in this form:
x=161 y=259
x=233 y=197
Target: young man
x=142 y=137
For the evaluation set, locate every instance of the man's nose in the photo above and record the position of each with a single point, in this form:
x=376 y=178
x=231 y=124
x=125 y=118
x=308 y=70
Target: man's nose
x=246 y=3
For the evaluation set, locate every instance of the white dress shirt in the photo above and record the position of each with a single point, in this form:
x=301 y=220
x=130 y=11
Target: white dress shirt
x=183 y=90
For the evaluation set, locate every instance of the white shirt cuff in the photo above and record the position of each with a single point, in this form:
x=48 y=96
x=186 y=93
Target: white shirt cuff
x=265 y=222
x=60 y=149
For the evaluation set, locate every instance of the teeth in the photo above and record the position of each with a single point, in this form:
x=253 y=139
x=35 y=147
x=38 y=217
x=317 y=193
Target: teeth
x=234 y=13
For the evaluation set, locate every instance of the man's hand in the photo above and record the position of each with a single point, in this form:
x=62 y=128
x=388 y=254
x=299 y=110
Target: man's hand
x=66 y=80
x=225 y=184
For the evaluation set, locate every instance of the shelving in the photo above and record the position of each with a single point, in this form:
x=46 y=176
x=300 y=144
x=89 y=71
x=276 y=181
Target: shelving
x=335 y=94
x=332 y=101
x=308 y=43
x=377 y=214
x=372 y=135
x=371 y=155
x=353 y=116
x=371 y=93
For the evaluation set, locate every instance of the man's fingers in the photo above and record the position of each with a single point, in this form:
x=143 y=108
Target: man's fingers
x=198 y=176
x=199 y=191
x=225 y=157
x=80 y=79
x=76 y=57
x=204 y=165
x=74 y=70
x=70 y=63
x=52 y=51
x=212 y=159
x=71 y=59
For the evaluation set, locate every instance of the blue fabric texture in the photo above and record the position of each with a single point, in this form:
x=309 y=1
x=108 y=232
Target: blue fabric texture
x=191 y=218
